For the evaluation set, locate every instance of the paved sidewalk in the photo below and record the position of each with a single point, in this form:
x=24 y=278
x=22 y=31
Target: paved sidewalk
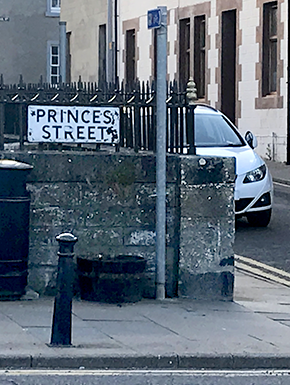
x=280 y=171
x=252 y=332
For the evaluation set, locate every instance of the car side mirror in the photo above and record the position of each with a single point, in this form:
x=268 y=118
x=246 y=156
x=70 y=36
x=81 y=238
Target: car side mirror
x=251 y=139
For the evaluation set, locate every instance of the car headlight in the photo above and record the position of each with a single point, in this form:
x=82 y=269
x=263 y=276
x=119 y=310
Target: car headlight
x=255 y=175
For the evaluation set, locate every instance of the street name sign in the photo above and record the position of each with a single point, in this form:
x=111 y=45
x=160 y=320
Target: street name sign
x=75 y=124
x=154 y=18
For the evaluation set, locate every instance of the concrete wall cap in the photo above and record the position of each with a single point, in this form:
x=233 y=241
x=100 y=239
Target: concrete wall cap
x=14 y=165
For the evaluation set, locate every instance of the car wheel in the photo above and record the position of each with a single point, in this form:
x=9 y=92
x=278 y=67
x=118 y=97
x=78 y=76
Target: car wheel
x=259 y=218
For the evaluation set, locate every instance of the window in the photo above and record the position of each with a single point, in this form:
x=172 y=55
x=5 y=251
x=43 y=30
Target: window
x=269 y=64
x=55 y=4
x=102 y=52
x=184 y=52
x=130 y=56
x=199 y=55
x=213 y=130
x=53 y=67
x=53 y=8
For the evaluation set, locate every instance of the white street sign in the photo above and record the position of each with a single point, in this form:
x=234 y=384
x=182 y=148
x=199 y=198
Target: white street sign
x=65 y=124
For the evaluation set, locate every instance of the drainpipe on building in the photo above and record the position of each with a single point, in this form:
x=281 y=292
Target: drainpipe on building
x=116 y=41
x=62 y=51
x=288 y=90
x=110 y=44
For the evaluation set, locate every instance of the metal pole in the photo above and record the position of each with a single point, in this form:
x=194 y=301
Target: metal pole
x=161 y=155
x=62 y=50
x=288 y=90
x=116 y=42
x=110 y=44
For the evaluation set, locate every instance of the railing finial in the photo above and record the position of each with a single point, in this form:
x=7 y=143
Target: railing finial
x=191 y=91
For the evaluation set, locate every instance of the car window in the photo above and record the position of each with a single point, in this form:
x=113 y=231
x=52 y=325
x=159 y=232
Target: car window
x=213 y=130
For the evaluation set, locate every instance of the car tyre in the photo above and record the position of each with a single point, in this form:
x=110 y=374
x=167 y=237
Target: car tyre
x=259 y=218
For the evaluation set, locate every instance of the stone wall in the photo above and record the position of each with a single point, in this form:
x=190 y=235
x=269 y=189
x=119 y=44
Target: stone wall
x=108 y=201
x=207 y=227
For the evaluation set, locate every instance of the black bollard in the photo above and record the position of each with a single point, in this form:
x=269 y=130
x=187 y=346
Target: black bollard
x=61 y=325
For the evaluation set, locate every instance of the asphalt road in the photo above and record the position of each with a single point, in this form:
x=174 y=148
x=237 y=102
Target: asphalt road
x=270 y=245
x=145 y=378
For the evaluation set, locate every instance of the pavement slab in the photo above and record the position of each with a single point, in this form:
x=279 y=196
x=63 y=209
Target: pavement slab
x=251 y=332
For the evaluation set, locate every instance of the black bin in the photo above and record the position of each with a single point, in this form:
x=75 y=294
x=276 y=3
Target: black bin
x=14 y=228
x=113 y=280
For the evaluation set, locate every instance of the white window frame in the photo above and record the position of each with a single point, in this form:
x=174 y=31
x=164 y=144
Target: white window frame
x=50 y=65
x=53 y=10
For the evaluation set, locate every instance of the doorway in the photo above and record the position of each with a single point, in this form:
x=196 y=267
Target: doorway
x=228 y=64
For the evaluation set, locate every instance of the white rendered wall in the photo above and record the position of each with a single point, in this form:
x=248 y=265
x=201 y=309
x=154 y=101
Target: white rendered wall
x=269 y=125
x=213 y=55
x=83 y=19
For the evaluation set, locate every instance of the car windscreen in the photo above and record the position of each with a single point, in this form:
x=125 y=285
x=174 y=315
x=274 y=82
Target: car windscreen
x=214 y=130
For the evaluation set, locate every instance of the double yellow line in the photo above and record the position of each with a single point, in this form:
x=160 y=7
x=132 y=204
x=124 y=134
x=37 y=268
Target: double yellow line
x=262 y=270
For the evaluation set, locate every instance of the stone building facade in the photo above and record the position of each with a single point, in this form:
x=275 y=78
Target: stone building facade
x=29 y=36
x=236 y=51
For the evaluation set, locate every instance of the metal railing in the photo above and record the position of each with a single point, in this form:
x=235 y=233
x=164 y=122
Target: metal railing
x=137 y=106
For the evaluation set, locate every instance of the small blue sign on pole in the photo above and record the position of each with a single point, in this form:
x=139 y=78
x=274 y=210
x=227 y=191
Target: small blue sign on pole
x=154 y=18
